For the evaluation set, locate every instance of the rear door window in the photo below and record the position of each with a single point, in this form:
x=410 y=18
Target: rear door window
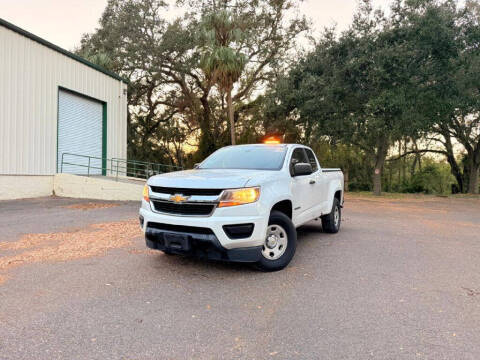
x=311 y=159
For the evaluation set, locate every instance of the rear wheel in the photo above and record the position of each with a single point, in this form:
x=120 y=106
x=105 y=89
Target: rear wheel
x=280 y=243
x=331 y=222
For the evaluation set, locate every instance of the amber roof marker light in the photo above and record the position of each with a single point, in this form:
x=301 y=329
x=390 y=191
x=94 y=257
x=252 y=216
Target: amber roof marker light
x=272 y=140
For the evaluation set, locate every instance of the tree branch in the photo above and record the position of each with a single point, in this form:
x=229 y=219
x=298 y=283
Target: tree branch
x=419 y=152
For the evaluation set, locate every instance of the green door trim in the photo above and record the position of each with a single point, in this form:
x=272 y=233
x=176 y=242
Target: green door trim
x=104 y=140
x=58 y=125
x=104 y=124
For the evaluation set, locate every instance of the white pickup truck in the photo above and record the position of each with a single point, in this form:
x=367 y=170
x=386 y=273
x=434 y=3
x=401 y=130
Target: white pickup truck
x=242 y=203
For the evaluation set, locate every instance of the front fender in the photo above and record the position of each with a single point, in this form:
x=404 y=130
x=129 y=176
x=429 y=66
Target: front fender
x=275 y=194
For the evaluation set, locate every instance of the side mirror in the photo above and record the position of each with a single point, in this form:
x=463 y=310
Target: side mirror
x=302 y=169
x=196 y=165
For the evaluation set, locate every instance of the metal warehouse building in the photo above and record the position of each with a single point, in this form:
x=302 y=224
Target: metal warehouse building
x=52 y=103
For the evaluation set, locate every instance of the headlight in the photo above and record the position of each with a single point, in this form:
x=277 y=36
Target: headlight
x=145 y=194
x=235 y=197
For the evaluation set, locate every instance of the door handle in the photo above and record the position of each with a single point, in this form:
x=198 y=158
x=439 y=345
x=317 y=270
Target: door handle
x=312 y=182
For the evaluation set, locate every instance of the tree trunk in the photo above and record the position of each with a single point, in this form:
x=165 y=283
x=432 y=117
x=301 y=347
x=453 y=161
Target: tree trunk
x=419 y=158
x=452 y=161
x=416 y=160
x=207 y=141
x=381 y=154
x=404 y=162
x=345 y=180
x=414 y=166
x=390 y=178
x=399 y=166
x=473 y=179
x=474 y=169
x=377 y=182
x=206 y=144
x=230 y=115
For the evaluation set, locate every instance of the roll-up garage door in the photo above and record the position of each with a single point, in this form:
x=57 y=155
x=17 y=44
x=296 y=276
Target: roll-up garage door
x=80 y=133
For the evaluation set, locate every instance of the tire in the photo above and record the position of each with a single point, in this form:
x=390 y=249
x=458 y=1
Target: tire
x=168 y=252
x=278 y=250
x=331 y=223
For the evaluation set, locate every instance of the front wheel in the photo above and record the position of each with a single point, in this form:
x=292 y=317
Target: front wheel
x=280 y=243
x=331 y=222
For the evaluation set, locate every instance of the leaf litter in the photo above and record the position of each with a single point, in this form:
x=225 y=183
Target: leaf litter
x=93 y=240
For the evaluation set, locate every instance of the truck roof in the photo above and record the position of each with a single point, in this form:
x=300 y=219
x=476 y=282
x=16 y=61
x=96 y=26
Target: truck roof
x=269 y=145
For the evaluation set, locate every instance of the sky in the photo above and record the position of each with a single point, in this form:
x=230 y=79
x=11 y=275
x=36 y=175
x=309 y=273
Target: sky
x=62 y=22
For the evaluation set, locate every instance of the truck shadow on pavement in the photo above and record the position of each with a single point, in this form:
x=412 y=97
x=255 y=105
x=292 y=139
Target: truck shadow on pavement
x=313 y=227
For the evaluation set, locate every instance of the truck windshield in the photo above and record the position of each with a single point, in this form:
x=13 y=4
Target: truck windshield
x=253 y=157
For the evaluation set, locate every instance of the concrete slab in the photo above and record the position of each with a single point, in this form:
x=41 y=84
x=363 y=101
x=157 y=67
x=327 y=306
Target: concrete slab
x=100 y=188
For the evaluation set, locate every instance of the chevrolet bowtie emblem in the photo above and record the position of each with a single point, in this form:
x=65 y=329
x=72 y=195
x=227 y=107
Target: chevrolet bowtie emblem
x=178 y=198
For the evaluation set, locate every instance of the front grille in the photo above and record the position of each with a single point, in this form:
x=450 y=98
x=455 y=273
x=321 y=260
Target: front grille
x=180 y=228
x=183 y=209
x=185 y=192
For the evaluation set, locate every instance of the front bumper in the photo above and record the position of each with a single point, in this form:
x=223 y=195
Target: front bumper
x=243 y=214
x=204 y=246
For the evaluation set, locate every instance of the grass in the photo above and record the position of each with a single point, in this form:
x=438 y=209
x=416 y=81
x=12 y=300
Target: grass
x=389 y=195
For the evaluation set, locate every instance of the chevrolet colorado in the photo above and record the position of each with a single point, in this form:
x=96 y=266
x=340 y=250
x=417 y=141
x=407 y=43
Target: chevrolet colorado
x=242 y=203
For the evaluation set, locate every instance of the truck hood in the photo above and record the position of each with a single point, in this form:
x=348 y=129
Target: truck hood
x=209 y=179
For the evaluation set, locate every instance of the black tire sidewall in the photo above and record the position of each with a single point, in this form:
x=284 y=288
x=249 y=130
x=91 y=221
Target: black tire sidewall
x=336 y=203
x=328 y=221
x=278 y=218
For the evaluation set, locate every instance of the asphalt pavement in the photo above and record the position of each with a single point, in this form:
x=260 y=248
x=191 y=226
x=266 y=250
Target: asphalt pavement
x=401 y=280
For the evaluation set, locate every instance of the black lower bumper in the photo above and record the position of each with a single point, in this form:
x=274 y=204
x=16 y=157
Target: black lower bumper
x=204 y=246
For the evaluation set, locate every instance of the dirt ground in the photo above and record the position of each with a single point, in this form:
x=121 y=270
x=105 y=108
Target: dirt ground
x=401 y=280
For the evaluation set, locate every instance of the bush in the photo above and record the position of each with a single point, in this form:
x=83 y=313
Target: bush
x=358 y=186
x=434 y=178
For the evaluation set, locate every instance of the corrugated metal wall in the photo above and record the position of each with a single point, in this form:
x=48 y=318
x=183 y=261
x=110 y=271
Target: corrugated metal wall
x=30 y=77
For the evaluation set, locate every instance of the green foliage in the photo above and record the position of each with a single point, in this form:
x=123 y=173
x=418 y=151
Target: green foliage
x=434 y=178
x=410 y=76
x=175 y=66
x=357 y=87
x=221 y=63
x=353 y=161
x=384 y=79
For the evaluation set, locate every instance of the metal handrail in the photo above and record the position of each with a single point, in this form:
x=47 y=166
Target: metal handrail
x=150 y=167
x=146 y=162
x=120 y=167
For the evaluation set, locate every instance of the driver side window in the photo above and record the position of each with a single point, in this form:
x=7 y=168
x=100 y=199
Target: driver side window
x=298 y=156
